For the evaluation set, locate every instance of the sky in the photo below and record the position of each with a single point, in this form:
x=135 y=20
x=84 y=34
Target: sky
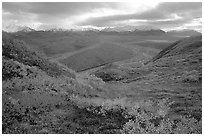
x=166 y=15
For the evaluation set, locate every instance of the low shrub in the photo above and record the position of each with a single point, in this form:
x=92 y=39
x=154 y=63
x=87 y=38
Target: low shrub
x=191 y=77
x=142 y=117
x=143 y=124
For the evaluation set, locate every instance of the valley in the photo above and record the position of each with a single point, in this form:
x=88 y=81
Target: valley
x=105 y=86
x=88 y=49
x=130 y=67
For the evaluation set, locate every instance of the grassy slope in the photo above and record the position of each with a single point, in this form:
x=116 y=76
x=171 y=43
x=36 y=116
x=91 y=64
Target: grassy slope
x=54 y=43
x=101 y=55
x=36 y=97
x=109 y=52
x=60 y=45
x=150 y=41
x=17 y=50
x=181 y=66
x=36 y=101
x=175 y=73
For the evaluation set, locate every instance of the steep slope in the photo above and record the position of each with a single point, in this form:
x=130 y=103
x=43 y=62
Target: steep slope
x=191 y=45
x=28 y=83
x=180 y=68
x=17 y=50
x=54 y=43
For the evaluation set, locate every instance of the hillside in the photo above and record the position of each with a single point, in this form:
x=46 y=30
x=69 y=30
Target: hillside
x=82 y=50
x=181 y=63
x=54 y=43
x=41 y=97
x=111 y=48
x=185 y=46
x=70 y=48
x=98 y=56
x=17 y=51
x=175 y=73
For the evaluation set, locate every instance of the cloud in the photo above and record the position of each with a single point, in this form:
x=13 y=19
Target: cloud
x=55 y=8
x=50 y=12
x=100 y=21
x=162 y=11
x=179 y=6
x=163 y=15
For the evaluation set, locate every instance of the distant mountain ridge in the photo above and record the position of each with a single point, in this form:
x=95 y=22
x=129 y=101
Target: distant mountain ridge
x=17 y=28
x=136 y=30
x=129 y=28
x=184 y=32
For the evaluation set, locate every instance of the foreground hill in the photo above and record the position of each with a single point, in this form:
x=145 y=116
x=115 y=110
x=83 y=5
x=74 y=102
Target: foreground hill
x=36 y=95
x=181 y=66
x=175 y=73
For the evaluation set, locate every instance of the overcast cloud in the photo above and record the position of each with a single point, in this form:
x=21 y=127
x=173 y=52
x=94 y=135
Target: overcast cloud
x=163 y=15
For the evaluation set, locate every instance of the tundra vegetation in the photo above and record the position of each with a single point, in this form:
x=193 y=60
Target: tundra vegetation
x=163 y=96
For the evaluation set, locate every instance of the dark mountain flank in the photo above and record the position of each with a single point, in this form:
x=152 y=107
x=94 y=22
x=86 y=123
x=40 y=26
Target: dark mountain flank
x=17 y=50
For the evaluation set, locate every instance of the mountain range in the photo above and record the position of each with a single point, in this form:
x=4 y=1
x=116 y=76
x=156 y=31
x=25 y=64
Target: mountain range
x=17 y=28
x=184 y=32
x=143 y=30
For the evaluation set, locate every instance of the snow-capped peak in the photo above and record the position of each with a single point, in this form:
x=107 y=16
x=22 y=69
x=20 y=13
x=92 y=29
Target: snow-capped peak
x=130 y=28
x=17 y=28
